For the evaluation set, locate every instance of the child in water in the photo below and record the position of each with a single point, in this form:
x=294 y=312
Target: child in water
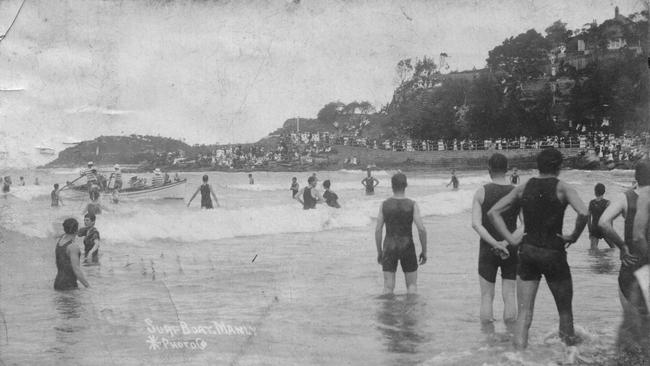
x=91 y=240
x=454 y=180
x=330 y=197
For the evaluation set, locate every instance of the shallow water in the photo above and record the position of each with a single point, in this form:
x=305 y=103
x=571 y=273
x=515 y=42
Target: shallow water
x=263 y=282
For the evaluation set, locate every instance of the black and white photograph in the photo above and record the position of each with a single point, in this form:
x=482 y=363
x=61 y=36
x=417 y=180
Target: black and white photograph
x=325 y=182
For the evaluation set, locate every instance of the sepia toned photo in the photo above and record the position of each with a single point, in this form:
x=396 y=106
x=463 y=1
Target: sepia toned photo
x=336 y=182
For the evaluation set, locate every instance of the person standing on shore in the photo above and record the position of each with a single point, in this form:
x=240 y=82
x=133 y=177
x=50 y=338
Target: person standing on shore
x=68 y=259
x=494 y=252
x=370 y=182
x=454 y=180
x=543 y=201
x=206 y=192
x=398 y=214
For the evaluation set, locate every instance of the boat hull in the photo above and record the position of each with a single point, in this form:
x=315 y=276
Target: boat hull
x=173 y=190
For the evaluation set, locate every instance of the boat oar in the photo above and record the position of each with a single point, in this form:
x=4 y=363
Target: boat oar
x=70 y=183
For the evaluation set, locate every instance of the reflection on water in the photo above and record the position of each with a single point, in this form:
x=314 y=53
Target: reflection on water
x=602 y=261
x=398 y=318
x=69 y=328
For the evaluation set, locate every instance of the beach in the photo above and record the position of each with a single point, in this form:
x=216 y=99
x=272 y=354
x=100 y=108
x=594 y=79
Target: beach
x=261 y=281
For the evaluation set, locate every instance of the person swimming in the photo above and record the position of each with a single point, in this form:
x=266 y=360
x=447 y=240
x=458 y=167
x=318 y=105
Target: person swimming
x=206 y=192
x=68 y=258
x=542 y=251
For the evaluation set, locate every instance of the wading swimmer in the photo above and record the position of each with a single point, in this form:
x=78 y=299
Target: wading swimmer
x=494 y=252
x=68 y=258
x=91 y=240
x=295 y=187
x=370 y=182
x=633 y=343
x=331 y=198
x=454 y=180
x=250 y=179
x=596 y=208
x=55 y=196
x=399 y=213
x=206 y=192
x=640 y=288
x=543 y=250
x=309 y=195
x=514 y=178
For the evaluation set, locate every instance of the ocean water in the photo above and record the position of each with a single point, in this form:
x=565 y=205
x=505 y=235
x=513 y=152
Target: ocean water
x=262 y=282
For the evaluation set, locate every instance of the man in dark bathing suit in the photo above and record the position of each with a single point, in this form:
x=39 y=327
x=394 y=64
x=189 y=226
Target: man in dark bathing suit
x=331 y=198
x=309 y=196
x=639 y=288
x=91 y=238
x=206 y=191
x=399 y=213
x=543 y=250
x=596 y=208
x=295 y=187
x=494 y=252
x=68 y=258
x=370 y=183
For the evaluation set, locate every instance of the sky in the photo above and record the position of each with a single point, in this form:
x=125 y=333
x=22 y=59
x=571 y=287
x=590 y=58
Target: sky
x=233 y=71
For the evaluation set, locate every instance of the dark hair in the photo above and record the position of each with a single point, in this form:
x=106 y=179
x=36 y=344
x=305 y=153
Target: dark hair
x=326 y=183
x=294 y=178
x=56 y=185
x=205 y=178
x=398 y=182
x=599 y=189
x=90 y=216
x=498 y=163
x=311 y=179
x=94 y=195
x=70 y=226
x=250 y=175
x=642 y=173
x=549 y=161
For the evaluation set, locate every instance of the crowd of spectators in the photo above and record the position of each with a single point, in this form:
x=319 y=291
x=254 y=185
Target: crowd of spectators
x=307 y=147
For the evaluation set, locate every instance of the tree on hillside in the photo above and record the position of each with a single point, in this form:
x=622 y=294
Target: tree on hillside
x=557 y=33
x=330 y=112
x=404 y=70
x=366 y=107
x=522 y=57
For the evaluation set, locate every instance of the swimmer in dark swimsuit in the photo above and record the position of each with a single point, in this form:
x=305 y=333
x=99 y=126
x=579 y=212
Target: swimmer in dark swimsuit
x=295 y=187
x=331 y=198
x=309 y=194
x=91 y=238
x=399 y=213
x=55 y=196
x=454 y=180
x=543 y=250
x=370 y=183
x=206 y=191
x=596 y=208
x=514 y=178
x=68 y=258
x=494 y=252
